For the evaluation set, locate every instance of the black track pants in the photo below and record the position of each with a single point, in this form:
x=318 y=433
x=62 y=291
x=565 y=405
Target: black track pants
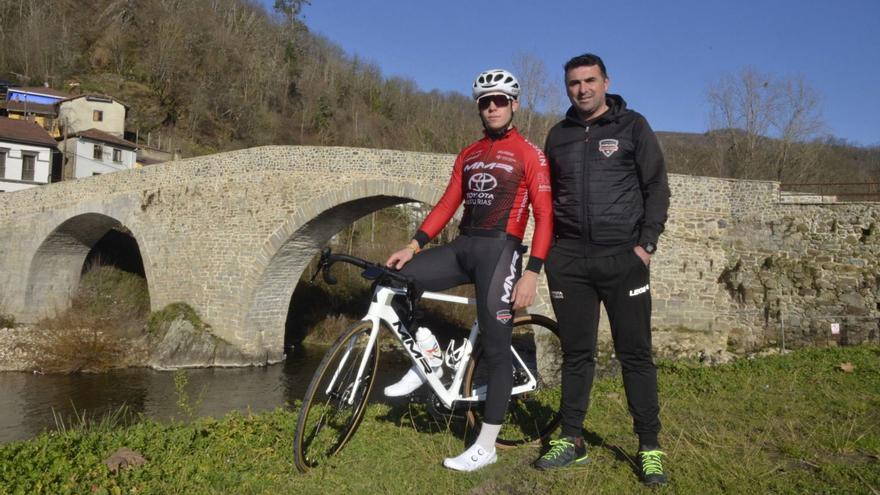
x=621 y=282
x=493 y=266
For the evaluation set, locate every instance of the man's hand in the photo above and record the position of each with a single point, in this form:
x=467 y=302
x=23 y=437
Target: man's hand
x=401 y=257
x=525 y=289
x=643 y=255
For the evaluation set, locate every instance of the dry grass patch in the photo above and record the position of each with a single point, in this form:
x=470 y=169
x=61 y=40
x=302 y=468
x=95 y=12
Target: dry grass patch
x=106 y=318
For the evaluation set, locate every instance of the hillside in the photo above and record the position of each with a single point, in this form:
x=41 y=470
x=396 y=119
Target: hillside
x=820 y=161
x=216 y=75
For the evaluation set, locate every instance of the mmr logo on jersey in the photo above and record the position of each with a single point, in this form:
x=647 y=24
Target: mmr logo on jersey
x=608 y=147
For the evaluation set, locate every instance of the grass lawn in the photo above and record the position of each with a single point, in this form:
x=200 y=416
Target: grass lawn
x=784 y=424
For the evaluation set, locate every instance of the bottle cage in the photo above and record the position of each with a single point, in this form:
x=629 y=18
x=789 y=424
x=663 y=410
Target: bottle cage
x=454 y=355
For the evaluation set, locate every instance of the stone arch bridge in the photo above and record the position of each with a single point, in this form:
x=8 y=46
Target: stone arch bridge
x=231 y=233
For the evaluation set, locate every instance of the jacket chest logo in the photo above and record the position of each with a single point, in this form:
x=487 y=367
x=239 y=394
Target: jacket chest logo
x=608 y=147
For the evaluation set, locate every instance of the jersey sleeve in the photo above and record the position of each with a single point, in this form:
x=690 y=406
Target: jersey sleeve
x=444 y=209
x=538 y=184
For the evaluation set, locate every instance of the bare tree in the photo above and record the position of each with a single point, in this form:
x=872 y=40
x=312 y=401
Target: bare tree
x=797 y=120
x=532 y=75
x=762 y=125
x=742 y=107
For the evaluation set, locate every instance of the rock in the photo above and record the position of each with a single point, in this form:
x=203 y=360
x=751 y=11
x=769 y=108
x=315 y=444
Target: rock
x=715 y=357
x=124 y=458
x=181 y=345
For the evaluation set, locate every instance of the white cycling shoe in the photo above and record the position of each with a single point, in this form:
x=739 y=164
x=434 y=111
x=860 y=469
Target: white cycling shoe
x=410 y=382
x=476 y=457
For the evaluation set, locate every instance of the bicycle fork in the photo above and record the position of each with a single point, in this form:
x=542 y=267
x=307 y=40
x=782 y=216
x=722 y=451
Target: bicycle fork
x=374 y=332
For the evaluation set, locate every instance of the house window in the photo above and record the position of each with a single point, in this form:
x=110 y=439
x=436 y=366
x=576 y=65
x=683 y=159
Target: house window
x=97 y=116
x=3 y=163
x=117 y=156
x=28 y=161
x=98 y=154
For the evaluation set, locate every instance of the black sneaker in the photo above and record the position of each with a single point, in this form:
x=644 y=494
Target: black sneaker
x=651 y=467
x=563 y=452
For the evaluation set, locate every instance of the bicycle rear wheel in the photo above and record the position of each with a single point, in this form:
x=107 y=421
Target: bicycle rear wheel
x=533 y=415
x=327 y=420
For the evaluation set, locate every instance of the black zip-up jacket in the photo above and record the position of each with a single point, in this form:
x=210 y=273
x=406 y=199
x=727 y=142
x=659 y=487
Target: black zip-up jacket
x=610 y=190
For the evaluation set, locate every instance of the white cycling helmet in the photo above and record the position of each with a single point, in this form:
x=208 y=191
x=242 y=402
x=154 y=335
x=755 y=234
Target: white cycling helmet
x=496 y=81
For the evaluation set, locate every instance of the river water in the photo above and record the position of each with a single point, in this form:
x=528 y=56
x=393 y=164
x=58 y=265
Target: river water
x=29 y=403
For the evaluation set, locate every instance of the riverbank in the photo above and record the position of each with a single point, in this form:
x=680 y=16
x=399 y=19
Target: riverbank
x=26 y=348
x=806 y=422
x=17 y=349
x=173 y=344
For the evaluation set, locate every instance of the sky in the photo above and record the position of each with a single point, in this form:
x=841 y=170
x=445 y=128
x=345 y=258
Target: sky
x=661 y=55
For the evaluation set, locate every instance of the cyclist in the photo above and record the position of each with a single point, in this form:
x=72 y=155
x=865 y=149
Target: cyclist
x=497 y=178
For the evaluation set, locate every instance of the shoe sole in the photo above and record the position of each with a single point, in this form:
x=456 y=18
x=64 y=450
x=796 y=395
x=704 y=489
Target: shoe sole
x=573 y=464
x=494 y=459
x=655 y=484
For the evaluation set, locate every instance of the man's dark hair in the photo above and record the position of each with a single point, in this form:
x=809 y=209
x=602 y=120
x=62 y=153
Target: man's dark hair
x=587 y=59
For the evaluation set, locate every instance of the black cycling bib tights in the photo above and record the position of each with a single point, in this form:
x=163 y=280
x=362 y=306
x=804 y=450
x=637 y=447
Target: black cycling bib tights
x=493 y=265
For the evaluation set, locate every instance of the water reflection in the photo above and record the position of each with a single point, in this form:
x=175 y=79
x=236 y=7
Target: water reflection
x=27 y=401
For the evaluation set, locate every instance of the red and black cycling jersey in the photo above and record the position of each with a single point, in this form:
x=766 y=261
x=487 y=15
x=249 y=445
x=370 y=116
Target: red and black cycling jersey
x=497 y=179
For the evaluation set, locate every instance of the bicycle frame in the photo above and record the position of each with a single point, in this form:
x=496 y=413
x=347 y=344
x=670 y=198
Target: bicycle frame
x=380 y=311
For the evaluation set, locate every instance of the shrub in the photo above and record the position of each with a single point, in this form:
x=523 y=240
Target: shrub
x=108 y=299
x=72 y=350
x=109 y=306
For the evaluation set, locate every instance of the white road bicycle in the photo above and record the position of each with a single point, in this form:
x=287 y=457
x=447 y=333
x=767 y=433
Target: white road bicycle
x=337 y=396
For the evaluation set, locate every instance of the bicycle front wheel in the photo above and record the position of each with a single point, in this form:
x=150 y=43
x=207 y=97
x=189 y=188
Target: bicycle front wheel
x=531 y=416
x=335 y=400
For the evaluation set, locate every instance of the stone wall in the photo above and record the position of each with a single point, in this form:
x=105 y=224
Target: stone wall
x=787 y=271
x=739 y=269
x=794 y=269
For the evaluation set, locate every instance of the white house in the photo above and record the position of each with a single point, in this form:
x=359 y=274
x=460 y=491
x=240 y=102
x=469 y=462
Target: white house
x=93 y=152
x=26 y=155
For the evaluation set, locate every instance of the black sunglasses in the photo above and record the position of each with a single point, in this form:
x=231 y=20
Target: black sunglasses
x=500 y=101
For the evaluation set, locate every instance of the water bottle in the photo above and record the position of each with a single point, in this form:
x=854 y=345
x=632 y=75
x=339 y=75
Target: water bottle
x=430 y=347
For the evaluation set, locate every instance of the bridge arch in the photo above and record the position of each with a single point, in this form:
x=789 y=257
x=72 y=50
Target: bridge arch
x=293 y=245
x=57 y=264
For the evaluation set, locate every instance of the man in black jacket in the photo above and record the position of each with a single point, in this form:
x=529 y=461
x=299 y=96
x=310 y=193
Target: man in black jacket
x=610 y=201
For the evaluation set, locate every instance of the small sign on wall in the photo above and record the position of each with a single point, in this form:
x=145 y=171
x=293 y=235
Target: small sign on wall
x=835 y=329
